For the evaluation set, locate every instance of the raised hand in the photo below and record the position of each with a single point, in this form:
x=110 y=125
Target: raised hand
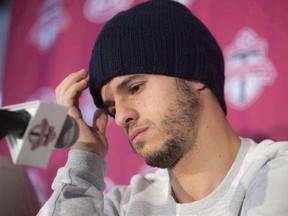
x=91 y=138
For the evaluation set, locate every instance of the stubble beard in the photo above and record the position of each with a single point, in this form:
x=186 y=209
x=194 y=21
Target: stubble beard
x=179 y=123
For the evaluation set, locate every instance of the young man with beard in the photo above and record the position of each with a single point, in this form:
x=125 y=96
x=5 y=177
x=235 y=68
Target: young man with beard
x=160 y=73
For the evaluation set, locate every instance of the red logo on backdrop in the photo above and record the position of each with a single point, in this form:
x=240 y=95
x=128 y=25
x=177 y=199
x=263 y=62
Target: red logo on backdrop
x=248 y=69
x=100 y=11
x=41 y=134
x=51 y=21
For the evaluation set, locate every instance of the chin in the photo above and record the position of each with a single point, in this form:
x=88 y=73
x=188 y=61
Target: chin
x=161 y=160
x=167 y=156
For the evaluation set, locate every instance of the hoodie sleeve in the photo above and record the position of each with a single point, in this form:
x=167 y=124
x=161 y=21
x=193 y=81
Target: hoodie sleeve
x=78 y=187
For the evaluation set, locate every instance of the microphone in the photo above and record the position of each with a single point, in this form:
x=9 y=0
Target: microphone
x=34 y=128
x=13 y=122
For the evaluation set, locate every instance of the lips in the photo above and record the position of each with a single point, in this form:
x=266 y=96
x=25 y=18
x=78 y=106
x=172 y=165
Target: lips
x=136 y=132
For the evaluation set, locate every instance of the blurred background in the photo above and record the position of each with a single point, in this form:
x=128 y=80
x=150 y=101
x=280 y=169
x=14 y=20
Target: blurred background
x=42 y=41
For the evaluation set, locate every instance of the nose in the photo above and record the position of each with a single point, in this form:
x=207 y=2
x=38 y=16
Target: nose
x=125 y=115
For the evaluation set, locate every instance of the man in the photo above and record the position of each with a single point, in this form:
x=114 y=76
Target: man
x=160 y=73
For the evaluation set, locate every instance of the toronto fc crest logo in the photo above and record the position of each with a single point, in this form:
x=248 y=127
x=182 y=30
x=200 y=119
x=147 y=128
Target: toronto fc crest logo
x=100 y=11
x=52 y=20
x=41 y=134
x=248 y=69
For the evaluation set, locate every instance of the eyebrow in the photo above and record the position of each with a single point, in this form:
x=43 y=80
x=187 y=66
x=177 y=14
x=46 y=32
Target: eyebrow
x=110 y=103
x=128 y=80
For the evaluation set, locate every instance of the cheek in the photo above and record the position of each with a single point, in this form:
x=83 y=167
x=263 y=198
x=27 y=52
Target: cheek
x=154 y=103
x=154 y=109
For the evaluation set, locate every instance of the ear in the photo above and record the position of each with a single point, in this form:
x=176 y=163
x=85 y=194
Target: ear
x=196 y=85
x=200 y=86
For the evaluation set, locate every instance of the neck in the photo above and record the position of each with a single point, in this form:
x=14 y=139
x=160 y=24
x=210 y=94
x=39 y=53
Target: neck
x=205 y=166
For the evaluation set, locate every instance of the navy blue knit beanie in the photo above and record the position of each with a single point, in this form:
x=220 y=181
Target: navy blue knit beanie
x=157 y=37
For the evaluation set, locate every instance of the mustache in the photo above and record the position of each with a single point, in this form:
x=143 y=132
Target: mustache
x=134 y=126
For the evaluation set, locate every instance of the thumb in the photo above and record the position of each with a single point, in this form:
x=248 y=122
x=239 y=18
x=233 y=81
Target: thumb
x=100 y=120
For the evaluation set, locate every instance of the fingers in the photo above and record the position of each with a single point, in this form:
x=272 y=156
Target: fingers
x=100 y=120
x=72 y=78
x=93 y=139
x=69 y=90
